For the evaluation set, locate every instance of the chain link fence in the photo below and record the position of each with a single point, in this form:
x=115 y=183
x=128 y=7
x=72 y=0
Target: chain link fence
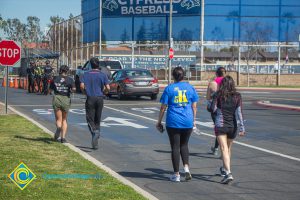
x=240 y=59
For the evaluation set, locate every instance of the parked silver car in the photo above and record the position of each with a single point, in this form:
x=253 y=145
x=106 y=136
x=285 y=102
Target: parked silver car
x=134 y=82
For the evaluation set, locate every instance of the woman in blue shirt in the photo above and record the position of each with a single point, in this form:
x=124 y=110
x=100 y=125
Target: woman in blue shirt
x=181 y=100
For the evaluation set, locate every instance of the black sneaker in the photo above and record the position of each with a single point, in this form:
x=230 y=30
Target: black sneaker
x=227 y=179
x=222 y=171
x=57 y=133
x=63 y=140
x=95 y=139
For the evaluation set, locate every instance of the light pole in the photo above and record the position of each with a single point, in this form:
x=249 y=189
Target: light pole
x=202 y=38
x=170 y=41
x=100 y=29
x=299 y=47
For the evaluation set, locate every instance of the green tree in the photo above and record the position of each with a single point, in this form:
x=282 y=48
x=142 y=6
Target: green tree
x=34 y=29
x=15 y=30
x=71 y=16
x=2 y=26
x=54 y=20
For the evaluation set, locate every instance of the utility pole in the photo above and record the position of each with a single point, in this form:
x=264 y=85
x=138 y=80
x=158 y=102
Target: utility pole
x=170 y=41
x=100 y=29
x=202 y=38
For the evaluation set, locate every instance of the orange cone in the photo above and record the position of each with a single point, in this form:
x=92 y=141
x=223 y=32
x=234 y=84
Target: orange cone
x=11 y=83
x=4 y=82
x=16 y=84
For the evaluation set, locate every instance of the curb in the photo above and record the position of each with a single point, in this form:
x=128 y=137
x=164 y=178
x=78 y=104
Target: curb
x=248 y=89
x=269 y=89
x=277 y=106
x=96 y=162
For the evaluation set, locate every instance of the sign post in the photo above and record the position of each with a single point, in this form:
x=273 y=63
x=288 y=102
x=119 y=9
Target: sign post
x=170 y=41
x=10 y=54
x=171 y=53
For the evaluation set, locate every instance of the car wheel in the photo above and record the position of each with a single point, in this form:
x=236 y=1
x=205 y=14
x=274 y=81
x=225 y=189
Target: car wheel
x=153 y=96
x=119 y=94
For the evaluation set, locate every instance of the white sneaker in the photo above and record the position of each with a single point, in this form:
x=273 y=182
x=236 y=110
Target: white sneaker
x=187 y=173
x=175 y=178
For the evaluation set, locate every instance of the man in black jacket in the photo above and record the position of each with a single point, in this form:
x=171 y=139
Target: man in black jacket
x=30 y=76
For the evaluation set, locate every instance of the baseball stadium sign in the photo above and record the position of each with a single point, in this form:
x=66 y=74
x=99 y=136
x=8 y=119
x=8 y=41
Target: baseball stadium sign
x=150 y=7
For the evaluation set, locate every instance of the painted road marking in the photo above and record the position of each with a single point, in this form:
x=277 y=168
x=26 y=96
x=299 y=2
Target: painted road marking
x=120 y=122
x=45 y=111
x=146 y=110
x=209 y=135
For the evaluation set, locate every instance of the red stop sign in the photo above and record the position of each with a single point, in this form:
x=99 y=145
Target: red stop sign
x=171 y=53
x=10 y=53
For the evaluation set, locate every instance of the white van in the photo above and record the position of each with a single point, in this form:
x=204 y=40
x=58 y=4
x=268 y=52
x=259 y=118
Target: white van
x=108 y=65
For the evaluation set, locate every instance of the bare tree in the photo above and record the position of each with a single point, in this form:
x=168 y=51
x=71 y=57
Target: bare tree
x=287 y=18
x=124 y=36
x=185 y=36
x=255 y=33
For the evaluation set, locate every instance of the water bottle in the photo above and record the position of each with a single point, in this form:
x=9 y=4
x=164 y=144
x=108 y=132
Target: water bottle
x=196 y=130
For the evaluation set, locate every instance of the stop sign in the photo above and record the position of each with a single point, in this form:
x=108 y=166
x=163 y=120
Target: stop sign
x=10 y=53
x=171 y=53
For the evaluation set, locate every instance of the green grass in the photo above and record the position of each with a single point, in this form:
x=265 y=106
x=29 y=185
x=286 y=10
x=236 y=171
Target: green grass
x=20 y=140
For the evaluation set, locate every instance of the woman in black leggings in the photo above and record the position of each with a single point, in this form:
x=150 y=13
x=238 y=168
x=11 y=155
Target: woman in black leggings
x=181 y=100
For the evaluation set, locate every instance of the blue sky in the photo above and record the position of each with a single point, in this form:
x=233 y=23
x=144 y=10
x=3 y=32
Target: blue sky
x=43 y=9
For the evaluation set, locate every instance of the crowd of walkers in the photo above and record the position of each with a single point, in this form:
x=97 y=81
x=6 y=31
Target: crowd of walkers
x=179 y=100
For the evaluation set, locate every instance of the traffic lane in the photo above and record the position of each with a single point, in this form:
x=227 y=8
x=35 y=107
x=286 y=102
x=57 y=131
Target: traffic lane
x=263 y=127
x=266 y=128
x=150 y=165
x=156 y=159
x=131 y=161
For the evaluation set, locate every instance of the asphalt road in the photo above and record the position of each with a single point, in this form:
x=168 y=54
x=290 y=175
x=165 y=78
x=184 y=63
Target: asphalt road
x=265 y=163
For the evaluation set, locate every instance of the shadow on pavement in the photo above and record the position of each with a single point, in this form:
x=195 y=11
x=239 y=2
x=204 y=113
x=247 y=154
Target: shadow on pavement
x=85 y=149
x=201 y=155
x=163 y=175
x=155 y=174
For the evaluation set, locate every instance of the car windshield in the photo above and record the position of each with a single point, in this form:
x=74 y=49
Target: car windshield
x=113 y=64
x=138 y=73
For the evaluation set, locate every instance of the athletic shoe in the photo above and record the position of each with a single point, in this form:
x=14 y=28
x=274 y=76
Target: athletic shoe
x=227 y=179
x=188 y=176
x=63 y=140
x=222 y=171
x=214 y=150
x=175 y=178
x=57 y=133
x=95 y=139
